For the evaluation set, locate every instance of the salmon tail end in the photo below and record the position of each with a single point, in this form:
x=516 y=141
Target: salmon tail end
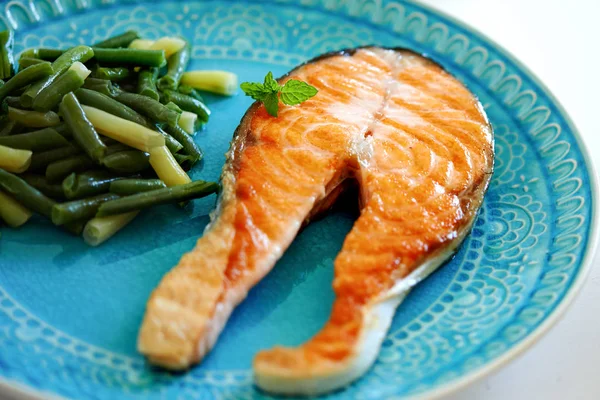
x=302 y=371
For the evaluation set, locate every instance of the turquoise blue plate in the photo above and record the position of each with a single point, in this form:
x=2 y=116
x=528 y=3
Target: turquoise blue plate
x=69 y=314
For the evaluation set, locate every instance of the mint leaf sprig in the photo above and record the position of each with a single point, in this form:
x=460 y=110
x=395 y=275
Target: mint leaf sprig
x=270 y=92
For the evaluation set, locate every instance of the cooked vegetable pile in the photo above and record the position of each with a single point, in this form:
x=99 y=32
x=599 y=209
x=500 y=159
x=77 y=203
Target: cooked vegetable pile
x=91 y=135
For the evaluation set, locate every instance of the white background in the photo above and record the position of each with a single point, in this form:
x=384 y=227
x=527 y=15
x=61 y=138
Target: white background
x=559 y=40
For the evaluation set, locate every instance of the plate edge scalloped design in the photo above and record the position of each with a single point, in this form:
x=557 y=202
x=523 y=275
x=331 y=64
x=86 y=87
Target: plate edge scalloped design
x=558 y=311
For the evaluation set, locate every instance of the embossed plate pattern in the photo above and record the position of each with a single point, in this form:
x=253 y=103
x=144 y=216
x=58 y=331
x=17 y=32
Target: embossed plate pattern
x=69 y=314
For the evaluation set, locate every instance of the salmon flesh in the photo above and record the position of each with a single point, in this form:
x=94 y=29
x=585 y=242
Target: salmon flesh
x=420 y=147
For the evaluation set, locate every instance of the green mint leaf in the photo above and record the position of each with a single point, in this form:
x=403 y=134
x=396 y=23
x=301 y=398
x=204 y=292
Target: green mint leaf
x=255 y=90
x=295 y=92
x=292 y=93
x=271 y=102
x=271 y=84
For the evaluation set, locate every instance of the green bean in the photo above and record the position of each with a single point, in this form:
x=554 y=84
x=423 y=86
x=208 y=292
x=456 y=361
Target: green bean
x=116 y=148
x=25 y=77
x=13 y=212
x=74 y=54
x=189 y=122
x=52 y=94
x=219 y=82
x=103 y=86
x=177 y=64
x=185 y=160
x=59 y=66
x=83 y=130
x=190 y=91
x=76 y=228
x=43 y=54
x=169 y=44
x=58 y=170
x=33 y=119
x=127 y=132
x=8 y=127
x=172 y=144
x=128 y=86
x=39 y=182
x=148 y=58
x=105 y=103
x=78 y=210
x=89 y=183
x=11 y=101
x=101 y=101
x=187 y=103
x=122 y=40
x=127 y=162
x=146 y=85
x=6 y=55
x=143 y=200
x=100 y=229
x=26 y=194
x=20 y=91
x=189 y=146
x=15 y=160
x=174 y=107
x=149 y=108
x=166 y=167
x=109 y=142
x=126 y=187
x=40 y=140
x=112 y=74
x=142 y=44
x=25 y=62
x=63 y=130
x=42 y=160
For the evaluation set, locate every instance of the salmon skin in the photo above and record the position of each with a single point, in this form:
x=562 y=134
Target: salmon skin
x=420 y=147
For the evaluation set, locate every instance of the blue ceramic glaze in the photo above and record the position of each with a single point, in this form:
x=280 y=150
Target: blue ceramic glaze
x=69 y=314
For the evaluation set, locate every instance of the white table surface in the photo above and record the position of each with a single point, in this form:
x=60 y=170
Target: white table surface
x=559 y=41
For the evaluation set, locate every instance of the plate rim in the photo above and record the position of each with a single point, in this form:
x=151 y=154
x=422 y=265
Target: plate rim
x=21 y=391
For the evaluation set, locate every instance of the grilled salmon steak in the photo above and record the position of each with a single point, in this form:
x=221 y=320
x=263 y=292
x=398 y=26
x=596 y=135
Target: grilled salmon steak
x=421 y=149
